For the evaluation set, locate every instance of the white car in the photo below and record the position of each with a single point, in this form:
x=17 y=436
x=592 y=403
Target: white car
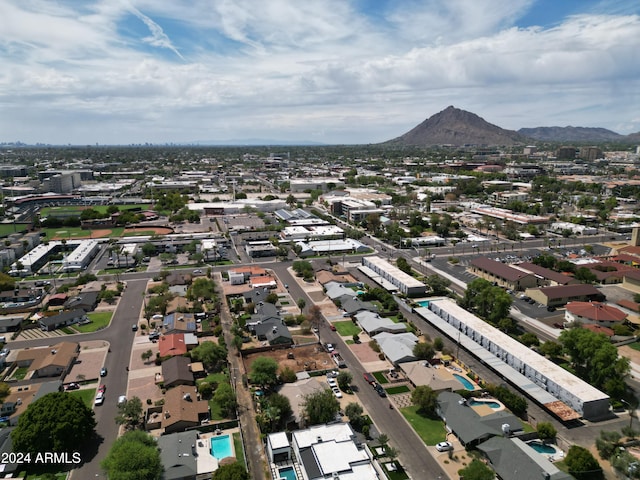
x=444 y=446
x=99 y=399
x=330 y=348
x=122 y=399
x=337 y=392
x=332 y=383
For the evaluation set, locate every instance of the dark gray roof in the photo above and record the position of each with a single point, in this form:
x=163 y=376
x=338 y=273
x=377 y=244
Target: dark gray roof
x=87 y=301
x=10 y=321
x=274 y=330
x=463 y=420
x=62 y=317
x=351 y=305
x=310 y=463
x=514 y=460
x=177 y=455
x=176 y=369
x=546 y=273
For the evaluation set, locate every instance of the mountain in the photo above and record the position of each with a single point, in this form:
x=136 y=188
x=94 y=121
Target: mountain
x=453 y=126
x=571 y=134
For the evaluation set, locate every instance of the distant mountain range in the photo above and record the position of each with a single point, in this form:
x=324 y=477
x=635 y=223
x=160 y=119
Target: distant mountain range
x=453 y=126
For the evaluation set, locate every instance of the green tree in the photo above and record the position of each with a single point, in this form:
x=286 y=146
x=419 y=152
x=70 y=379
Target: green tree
x=287 y=375
x=529 y=339
x=146 y=355
x=212 y=355
x=264 y=372
x=607 y=443
x=403 y=265
x=426 y=399
x=585 y=275
x=134 y=456
x=582 y=464
x=439 y=285
x=277 y=409
x=5 y=390
x=546 y=431
x=594 y=358
x=424 y=351
x=130 y=414
x=67 y=421
x=320 y=407
x=202 y=289
x=344 y=380
x=354 y=412
x=225 y=397
x=233 y=471
x=476 y=470
x=550 y=349
x=301 y=303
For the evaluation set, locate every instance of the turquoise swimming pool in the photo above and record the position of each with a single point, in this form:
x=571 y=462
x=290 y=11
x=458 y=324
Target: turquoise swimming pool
x=489 y=403
x=466 y=383
x=542 y=448
x=221 y=447
x=287 y=473
x=424 y=303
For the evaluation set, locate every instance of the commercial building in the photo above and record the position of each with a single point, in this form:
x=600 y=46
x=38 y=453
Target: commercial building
x=553 y=387
x=502 y=274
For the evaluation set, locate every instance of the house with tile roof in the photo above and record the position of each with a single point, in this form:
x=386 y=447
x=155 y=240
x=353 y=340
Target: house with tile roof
x=183 y=409
x=595 y=313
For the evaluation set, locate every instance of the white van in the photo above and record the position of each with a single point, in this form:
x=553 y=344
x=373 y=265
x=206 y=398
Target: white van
x=3 y=339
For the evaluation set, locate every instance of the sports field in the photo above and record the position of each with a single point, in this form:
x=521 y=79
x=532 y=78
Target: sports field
x=68 y=210
x=72 y=233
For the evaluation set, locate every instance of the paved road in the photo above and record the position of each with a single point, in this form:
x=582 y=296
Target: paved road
x=120 y=337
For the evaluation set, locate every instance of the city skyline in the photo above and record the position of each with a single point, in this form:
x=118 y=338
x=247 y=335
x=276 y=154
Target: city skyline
x=329 y=72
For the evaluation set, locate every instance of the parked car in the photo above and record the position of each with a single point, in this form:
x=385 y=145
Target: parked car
x=444 y=446
x=330 y=348
x=332 y=327
x=103 y=372
x=332 y=383
x=381 y=391
x=72 y=386
x=134 y=327
x=99 y=399
x=122 y=400
x=197 y=271
x=337 y=392
x=102 y=388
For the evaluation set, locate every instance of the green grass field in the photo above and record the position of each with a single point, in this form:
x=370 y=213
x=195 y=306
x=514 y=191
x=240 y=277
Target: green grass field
x=380 y=378
x=7 y=229
x=347 y=328
x=87 y=395
x=398 y=389
x=98 y=320
x=430 y=431
x=635 y=346
x=237 y=445
x=62 y=211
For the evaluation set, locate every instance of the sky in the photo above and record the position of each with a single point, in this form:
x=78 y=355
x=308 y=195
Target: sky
x=126 y=72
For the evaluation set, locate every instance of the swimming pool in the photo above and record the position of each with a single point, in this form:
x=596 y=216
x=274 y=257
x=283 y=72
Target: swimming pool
x=424 y=303
x=221 y=447
x=542 y=448
x=466 y=383
x=287 y=473
x=489 y=403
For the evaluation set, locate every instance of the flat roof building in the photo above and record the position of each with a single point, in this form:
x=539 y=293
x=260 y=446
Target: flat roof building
x=533 y=374
x=403 y=281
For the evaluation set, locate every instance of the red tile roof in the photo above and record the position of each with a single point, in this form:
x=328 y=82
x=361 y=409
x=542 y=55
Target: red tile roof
x=596 y=311
x=171 y=345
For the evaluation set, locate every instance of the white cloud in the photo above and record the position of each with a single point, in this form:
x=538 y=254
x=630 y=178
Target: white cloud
x=304 y=70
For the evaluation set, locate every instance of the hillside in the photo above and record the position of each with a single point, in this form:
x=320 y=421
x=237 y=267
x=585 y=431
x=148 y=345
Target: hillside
x=453 y=126
x=571 y=134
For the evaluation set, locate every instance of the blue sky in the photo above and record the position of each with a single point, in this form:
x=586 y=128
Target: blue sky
x=327 y=71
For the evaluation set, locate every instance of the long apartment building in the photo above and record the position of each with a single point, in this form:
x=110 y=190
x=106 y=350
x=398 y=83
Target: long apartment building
x=561 y=392
x=404 y=282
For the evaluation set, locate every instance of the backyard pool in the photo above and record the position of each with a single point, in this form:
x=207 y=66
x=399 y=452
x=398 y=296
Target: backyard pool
x=489 y=403
x=287 y=473
x=466 y=383
x=542 y=448
x=221 y=447
x=424 y=303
